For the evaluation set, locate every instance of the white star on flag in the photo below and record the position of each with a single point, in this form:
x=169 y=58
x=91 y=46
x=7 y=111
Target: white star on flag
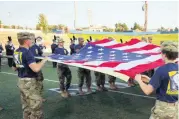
x=112 y=58
x=90 y=47
x=100 y=57
x=61 y=58
x=125 y=56
x=138 y=56
x=101 y=49
x=88 y=55
x=126 y=59
x=112 y=55
x=100 y=53
x=112 y=51
x=125 y=53
x=89 y=52
x=78 y=54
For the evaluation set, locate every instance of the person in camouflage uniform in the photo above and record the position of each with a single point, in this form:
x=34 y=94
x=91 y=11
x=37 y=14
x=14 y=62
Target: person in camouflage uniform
x=63 y=70
x=165 y=82
x=83 y=73
x=27 y=68
x=100 y=81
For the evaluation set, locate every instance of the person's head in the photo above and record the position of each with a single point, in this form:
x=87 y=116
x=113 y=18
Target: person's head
x=61 y=42
x=169 y=51
x=24 y=39
x=72 y=41
x=38 y=40
x=80 y=41
x=150 y=39
x=143 y=39
x=32 y=35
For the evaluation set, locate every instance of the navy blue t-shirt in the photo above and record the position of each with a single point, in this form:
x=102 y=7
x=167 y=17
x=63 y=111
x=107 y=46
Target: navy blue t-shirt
x=72 y=48
x=36 y=51
x=1 y=49
x=61 y=51
x=53 y=46
x=165 y=82
x=22 y=59
x=79 y=47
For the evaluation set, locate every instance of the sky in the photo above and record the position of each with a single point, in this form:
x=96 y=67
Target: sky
x=160 y=13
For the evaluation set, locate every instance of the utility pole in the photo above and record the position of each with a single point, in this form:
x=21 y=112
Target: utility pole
x=75 y=15
x=146 y=15
x=90 y=17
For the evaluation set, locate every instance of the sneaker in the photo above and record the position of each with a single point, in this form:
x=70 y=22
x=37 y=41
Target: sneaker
x=113 y=86
x=99 y=88
x=81 y=91
x=104 y=88
x=1 y=108
x=68 y=94
x=64 y=94
x=89 y=90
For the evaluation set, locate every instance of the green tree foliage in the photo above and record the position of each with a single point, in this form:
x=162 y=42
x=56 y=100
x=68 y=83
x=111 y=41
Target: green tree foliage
x=43 y=23
x=137 y=27
x=0 y=22
x=176 y=29
x=119 y=27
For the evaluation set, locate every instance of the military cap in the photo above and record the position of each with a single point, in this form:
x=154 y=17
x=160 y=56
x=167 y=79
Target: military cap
x=169 y=46
x=144 y=39
x=24 y=35
x=60 y=40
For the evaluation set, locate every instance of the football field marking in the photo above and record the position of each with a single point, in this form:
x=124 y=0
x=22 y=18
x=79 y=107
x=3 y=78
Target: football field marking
x=110 y=90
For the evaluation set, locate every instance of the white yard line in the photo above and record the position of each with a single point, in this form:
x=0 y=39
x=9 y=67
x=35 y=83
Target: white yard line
x=110 y=90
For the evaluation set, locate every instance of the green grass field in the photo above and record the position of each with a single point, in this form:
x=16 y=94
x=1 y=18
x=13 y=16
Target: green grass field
x=129 y=103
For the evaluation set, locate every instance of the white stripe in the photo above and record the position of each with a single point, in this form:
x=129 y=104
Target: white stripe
x=107 y=44
x=137 y=45
x=131 y=64
x=155 y=50
x=94 y=63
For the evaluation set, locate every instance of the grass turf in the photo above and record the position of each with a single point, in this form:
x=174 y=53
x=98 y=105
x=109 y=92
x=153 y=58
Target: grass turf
x=103 y=105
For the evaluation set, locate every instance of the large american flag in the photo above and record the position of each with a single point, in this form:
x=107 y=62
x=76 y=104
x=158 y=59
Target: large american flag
x=113 y=58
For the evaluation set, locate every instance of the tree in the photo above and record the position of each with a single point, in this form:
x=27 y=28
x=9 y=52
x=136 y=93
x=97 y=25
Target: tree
x=43 y=23
x=120 y=27
x=137 y=27
x=176 y=29
x=0 y=22
x=13 y=27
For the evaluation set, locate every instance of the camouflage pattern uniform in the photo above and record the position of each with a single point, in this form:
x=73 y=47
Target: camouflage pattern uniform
x=100 y=78
x=30 y=84
x=164 y=110
x=84 y=73
x=30 y=91
x=112 y=79
x=64 y=72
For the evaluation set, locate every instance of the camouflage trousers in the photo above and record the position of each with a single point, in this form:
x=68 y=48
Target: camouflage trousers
x=100 y=78
x=40 y=79
x=84 y=74
x=163 y=110
x=64 y=72
x=112 y=79
x=31 y=99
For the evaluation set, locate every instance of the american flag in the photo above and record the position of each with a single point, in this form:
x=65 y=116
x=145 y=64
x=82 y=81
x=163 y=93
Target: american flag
x=113 y=58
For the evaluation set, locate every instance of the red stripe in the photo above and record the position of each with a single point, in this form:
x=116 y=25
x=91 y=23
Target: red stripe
x=148 y=47
x=116 y=45
x=133 y=41
x=110 y=64
x=100 y=41
x=142 y=68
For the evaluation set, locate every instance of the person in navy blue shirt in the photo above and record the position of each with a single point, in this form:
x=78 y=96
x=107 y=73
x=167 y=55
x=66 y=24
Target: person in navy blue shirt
x=27 y=68
x=72 y=47
x=1 y=49
x=165 y=82
x=37 y=52
x=10 y=50
x=83 y=73
x=53 y=46
x=63 y=70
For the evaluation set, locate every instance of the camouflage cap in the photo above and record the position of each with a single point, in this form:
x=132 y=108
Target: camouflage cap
x=60 y=40
x=169 y=46
x=24 y=35
x=144 y=39
x=150 y=38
